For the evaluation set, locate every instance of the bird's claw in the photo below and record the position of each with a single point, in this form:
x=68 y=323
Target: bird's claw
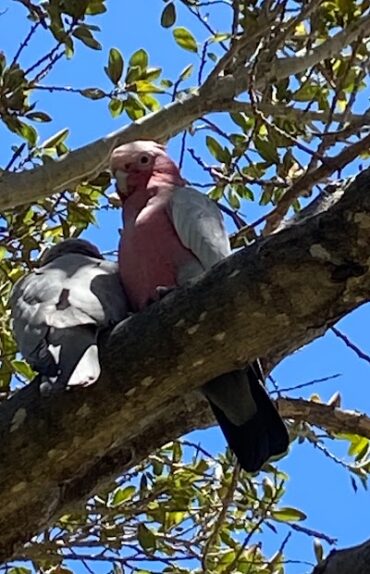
x=163 y=291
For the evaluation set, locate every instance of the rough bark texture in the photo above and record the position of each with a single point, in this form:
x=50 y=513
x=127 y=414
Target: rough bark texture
x=355 y=560
x=266 y=300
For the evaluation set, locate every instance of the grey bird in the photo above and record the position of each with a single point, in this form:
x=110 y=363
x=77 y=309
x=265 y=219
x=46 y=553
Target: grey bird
x=59 y=309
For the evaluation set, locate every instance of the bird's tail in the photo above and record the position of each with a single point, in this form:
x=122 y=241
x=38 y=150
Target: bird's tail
x=75 y=359
x=248 y=418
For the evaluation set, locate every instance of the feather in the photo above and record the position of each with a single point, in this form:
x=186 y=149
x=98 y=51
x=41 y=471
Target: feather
x=59 y=309
x=199 y=225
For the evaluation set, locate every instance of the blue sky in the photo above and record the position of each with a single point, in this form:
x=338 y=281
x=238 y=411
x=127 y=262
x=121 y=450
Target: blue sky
x=317 y=486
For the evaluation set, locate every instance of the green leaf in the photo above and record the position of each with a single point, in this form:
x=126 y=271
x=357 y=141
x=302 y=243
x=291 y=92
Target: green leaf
x=244 y=192
x=86 y=37
x=145 y=87
x=186 y=73
x=358 y=443
x=151 y=74
x=267 y=150
x=134 y=108
x=23 y=369
x=38 y=117
x=306 y=93
x=220 y=37
x=268 y=488
x=102 y=180
x=122 y=494
x=93 y=93
x=27 y=132
x=168 y=17
x=96 y=7
x=19 y=570
x=319 y=550
x=216 y=192
x=56 y=139
x=140 y=59
x=2 y=62
x=166 y=83
x=345 y=6
x=115 y=66
x=75 y=8
x=227 y=539
x=173 y=518
x=149 y=102
x=157 y=467
x=242 y=121
x=177 y=452
x=134 y=74
x=287 y=514
x=216 y=149
x=116 y=107
x=143 y=485
x=146 y=538
x=233 y=199
x=185 y=39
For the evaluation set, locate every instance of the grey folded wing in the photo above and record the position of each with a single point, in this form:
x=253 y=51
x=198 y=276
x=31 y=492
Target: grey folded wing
x=199 y=225
x=71 y=291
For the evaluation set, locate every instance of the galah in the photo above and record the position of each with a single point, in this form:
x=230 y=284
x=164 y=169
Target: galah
x=173 y=233
x=59 y=309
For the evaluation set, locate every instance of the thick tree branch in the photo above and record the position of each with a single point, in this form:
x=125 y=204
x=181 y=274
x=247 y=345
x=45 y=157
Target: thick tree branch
x=325 y=416
x=311 y=177
x=353 y=560
x=215 y=96
x=266 y=300
x=278 y=110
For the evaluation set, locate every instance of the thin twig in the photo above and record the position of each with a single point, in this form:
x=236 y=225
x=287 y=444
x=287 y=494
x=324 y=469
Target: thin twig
x=308 y=384
x=25 y=42
x=314 y=533
x=350 y=345
x=182 y=149
x=309 y=179
x=227 y=500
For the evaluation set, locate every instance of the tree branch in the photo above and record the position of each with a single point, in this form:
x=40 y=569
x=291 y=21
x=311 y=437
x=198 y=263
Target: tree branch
x=324 y=416
x=88 y=161
x=353 y=560
x=310 y=178
x=281 y=293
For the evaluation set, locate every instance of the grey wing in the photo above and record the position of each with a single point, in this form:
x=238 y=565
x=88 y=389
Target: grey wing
x=57 y=311
x=199 y=225
x=32 y=301
x=107 y=287
x=91 y=294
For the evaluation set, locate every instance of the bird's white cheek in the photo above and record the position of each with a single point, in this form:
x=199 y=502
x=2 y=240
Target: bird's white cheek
x=121 y=179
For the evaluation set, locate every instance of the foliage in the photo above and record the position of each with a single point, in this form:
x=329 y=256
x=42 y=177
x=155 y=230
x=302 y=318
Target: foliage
x=182 y=510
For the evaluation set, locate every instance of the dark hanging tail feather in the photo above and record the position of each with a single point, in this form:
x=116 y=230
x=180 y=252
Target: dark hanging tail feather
x=248 y=418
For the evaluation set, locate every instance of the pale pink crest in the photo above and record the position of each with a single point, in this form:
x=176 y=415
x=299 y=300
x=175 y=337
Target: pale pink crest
x=143 y=164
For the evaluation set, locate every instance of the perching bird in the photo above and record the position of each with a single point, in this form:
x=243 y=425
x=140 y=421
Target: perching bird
x=172 y=233
x=59 y=309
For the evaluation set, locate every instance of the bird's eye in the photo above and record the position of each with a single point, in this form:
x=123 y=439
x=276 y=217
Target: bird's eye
x=144 y=159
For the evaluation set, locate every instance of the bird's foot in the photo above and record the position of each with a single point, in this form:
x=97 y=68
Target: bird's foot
x=163 y=291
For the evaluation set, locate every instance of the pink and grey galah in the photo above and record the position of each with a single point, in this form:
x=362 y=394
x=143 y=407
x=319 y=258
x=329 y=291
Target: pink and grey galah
x=173 y=233
x=59 y=309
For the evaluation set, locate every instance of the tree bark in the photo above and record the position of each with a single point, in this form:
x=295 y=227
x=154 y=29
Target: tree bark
x=355 y=560
x=266 y=300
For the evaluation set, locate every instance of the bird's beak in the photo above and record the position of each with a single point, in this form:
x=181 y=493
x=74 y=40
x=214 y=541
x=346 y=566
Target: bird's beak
x=121 y=179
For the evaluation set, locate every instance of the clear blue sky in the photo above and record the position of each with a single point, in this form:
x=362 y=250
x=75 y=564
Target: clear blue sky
x=317 y=486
